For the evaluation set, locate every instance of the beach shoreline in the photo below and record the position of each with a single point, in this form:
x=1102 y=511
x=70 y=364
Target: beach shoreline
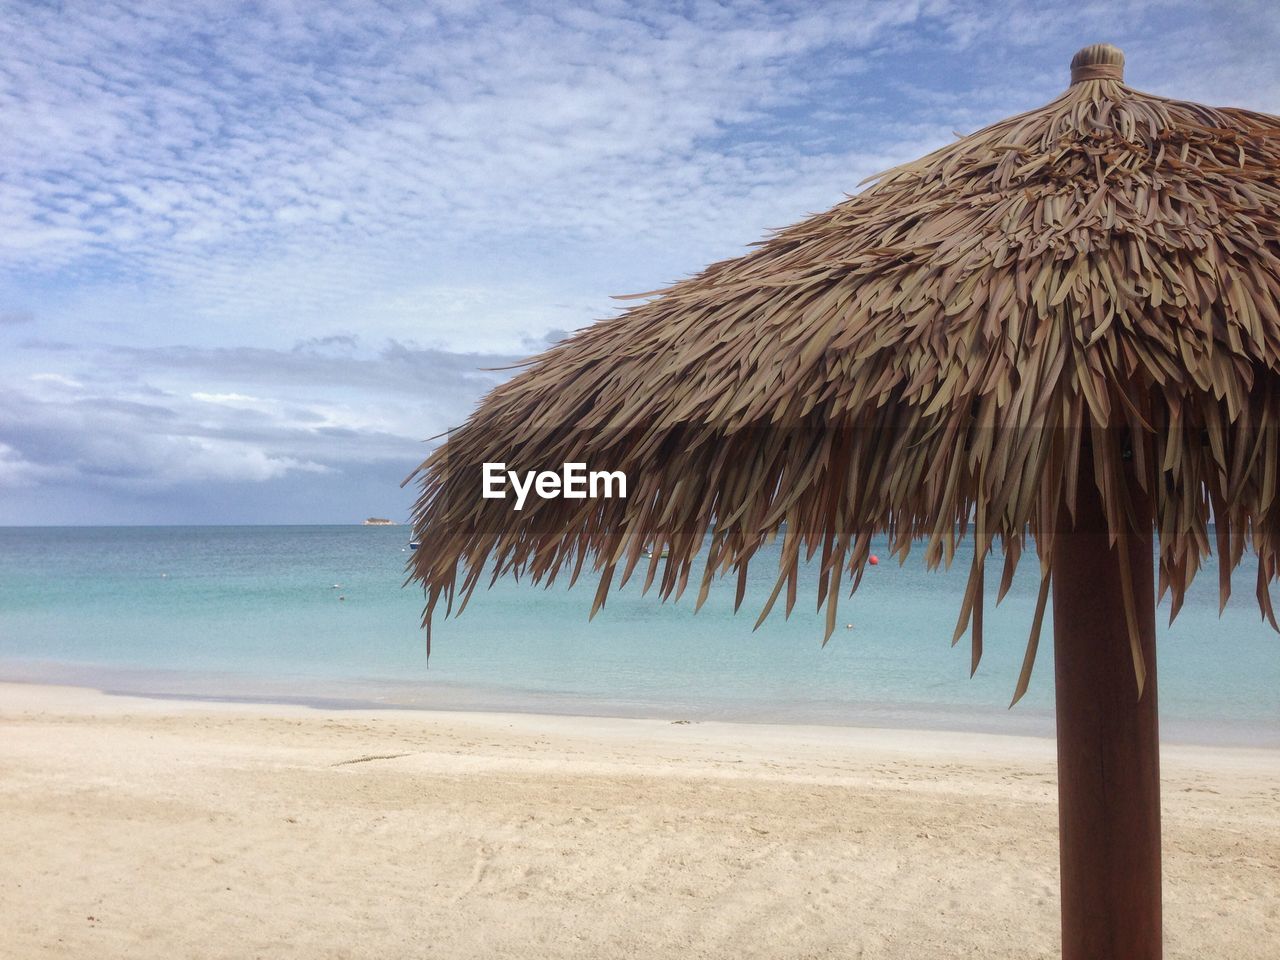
x=452 y=697
x=163 y=827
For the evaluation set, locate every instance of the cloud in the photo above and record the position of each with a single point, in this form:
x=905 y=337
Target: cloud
x=56 y=379
x=17 y=472
x=340 y=342
x=143 y=132
x=135 y=427
x=230 y=398
x=455 y=172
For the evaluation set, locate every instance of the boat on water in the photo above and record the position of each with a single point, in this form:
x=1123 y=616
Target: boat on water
x=649 y=554
x=414 y=544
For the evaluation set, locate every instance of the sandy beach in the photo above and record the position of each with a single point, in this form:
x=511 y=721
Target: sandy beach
x=159 y=828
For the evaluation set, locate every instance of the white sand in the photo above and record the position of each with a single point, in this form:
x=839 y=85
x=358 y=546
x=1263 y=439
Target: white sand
x=146 y=828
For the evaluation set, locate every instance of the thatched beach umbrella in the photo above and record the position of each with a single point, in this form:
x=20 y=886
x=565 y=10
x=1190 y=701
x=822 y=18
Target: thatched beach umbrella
x=1065 y=325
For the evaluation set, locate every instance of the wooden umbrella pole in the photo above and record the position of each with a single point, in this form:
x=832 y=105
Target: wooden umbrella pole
x=1108 y=739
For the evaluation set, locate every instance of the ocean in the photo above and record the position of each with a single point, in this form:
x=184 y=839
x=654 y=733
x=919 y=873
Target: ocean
x=318 y=615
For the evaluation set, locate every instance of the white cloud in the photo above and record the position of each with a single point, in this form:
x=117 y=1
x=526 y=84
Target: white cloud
x=57 y=379
x=233 y=400
x=119 y=442
x=218 y=461
x=326 y=407
x=372 y=161
x=277 y=169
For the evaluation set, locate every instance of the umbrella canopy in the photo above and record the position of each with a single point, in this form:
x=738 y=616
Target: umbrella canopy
x=928 y=357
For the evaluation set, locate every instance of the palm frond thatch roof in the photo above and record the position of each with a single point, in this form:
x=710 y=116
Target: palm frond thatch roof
x=924 y=360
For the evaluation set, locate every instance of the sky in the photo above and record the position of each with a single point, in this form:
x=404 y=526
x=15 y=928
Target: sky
x=253 y=255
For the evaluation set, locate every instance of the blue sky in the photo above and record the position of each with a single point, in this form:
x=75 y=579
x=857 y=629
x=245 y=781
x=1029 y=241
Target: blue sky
x=253 y=254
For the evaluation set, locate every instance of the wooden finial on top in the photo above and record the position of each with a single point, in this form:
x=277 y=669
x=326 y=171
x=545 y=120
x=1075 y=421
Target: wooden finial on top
x=1098 y=61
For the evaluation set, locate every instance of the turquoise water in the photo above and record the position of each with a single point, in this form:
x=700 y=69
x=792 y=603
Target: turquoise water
x=252 y=612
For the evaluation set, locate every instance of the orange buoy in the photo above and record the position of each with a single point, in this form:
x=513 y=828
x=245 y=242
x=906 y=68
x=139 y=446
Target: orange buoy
x=873 y=560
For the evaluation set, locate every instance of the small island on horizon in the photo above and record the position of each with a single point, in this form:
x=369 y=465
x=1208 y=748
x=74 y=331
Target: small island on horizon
x=379 y=522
